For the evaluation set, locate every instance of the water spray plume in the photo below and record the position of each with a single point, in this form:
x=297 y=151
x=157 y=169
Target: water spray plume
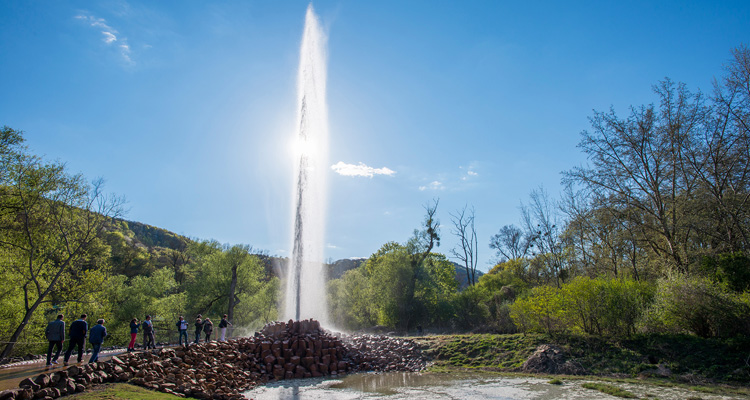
x=306 y=281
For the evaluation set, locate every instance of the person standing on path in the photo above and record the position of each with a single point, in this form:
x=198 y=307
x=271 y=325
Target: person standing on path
x=208 y=327
x=182 y=326
x=133 y=334
x=198 y=328
x=55 y=333
x=223 y=325
x=96 y=338
x=77 y=335
x=148 y=334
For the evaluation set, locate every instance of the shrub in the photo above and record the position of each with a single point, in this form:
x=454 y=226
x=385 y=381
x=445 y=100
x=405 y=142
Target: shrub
x=543 y=310
x=610 y=307
x=730 y=269
x=698 y=306
x=606 y=306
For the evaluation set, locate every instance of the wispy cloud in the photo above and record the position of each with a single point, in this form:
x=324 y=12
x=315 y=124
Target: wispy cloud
x=470 y=173
x=360 y=169
x=434 y=185
x=109 y=35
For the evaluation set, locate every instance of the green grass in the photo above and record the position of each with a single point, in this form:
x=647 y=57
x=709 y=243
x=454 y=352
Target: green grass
x=609 y=389
x=689 y=358
x=504 y=352
x=121 y=391
x=555 y=381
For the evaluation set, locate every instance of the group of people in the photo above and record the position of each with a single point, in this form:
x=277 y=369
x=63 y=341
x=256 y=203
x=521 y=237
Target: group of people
x=201 y=325
x=205 y=326
x=77 y=334
x=79 y=330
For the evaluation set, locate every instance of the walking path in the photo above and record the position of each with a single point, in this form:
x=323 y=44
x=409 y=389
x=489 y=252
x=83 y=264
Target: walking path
x=12 y=374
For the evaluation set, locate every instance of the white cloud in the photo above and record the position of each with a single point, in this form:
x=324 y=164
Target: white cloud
x=110 y=35
x=361 y=169
x=472 y=173
x=434 y=185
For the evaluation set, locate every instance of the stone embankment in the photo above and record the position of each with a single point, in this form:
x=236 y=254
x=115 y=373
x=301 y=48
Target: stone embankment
x=223 y=370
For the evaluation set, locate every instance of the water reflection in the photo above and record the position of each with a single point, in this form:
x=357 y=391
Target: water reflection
x=415 y=386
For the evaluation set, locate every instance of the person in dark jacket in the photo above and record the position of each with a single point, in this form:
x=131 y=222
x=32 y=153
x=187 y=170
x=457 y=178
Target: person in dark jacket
x=208 y=327
x=223 y=324
x=133 y=334
x=77 y=335
x=198 y=328
x=148 y=334
x=182 y=326
x=96 y=338
x=55 y=333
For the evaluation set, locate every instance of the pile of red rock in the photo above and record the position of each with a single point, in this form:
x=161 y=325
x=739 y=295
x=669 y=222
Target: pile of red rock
x=69 y=381
x=223 y=370
x=296 y=349
x=384 y=353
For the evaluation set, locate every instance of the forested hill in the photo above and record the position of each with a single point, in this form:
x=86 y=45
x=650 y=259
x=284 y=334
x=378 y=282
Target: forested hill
x=167 y=248
x=337 y=269
x=152 y=236
x=141 y=249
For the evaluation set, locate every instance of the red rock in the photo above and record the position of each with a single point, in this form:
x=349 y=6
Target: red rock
x=30 y=384
x=42 y=380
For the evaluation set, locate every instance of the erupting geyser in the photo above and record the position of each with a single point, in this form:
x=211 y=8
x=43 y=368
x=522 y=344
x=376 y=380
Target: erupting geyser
x=305 y=294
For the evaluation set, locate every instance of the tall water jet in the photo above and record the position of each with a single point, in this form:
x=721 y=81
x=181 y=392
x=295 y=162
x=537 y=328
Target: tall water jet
x=306 y=281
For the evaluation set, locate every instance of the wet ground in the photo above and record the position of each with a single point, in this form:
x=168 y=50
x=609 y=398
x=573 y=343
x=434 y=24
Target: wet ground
x=409 y=386
x=416 y=386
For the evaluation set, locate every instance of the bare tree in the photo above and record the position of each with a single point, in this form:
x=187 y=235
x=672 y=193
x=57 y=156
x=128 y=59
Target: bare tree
x=640 y=164
x=543 y=227
x=466 y=251
x=510 y=243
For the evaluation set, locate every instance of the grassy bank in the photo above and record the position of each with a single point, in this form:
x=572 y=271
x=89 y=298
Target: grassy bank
x=689 y=359
x=121 y=391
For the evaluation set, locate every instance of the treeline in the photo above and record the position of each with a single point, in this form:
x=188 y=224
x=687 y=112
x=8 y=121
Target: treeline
x=652 y=235
x=64 y=249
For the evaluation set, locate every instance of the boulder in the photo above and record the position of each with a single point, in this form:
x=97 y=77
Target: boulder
x=548 y=359
x=30 y=384
x=43 y=380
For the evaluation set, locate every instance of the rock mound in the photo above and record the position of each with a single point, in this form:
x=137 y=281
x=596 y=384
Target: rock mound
x=548 y=359
x=223 y=370
x=384 y=353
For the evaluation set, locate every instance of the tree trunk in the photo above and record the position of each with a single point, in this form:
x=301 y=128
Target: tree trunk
x=17 y=333
x=232 y=289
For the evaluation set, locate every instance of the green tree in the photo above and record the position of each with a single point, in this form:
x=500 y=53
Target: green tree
x=351 y=300
x=227 y=281
x=50 y=227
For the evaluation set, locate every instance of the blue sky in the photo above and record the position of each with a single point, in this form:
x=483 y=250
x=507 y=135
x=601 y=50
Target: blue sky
x=187 y=108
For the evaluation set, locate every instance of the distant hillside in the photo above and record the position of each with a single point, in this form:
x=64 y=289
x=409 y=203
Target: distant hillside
x=337 y=269
x=140 y=249
x=157 y=241
x=461 y=275
x=151 y=236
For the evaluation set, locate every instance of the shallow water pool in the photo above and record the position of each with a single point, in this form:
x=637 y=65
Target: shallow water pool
x=424 y=386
